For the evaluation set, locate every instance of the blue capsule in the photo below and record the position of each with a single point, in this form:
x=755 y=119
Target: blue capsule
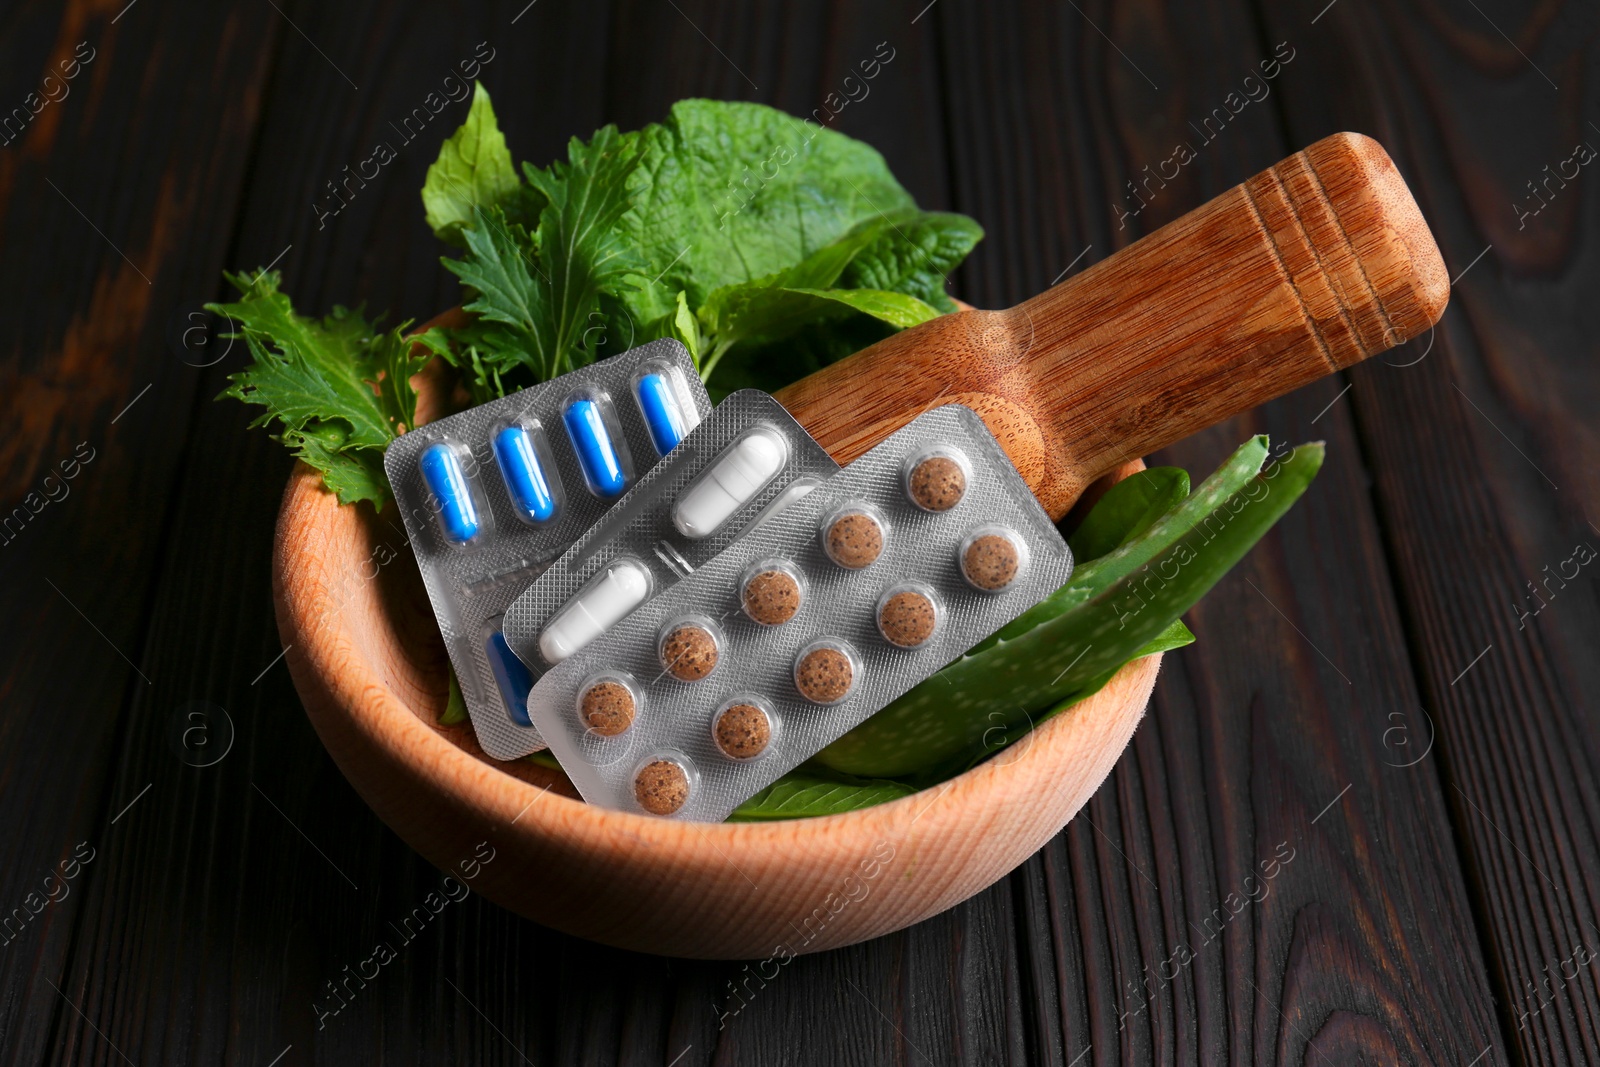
x=441 y=472
x=511 y=675
x=662 y=415
x=597 y=455
x=523 y=474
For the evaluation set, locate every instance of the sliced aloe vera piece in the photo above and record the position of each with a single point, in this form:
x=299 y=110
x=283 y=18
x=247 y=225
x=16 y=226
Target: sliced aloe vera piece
x=1112 y=607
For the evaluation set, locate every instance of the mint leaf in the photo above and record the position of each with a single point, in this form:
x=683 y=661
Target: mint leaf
x=339 y=390
x=913 y=255
x=473 y=172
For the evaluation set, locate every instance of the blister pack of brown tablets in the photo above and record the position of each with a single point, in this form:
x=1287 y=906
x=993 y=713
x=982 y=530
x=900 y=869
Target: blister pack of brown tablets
x=745 y=462
x=803 y=627
x=492 y=495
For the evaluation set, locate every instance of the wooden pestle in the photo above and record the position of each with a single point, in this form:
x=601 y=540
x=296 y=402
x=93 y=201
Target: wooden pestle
x=1308 y=267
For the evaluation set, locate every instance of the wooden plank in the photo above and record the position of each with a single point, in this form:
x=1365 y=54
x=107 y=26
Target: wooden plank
x=1362 y=943
x=1483 y=450
x=250 y=884
x=115 y=215
x=241 y=888
x=945 y=991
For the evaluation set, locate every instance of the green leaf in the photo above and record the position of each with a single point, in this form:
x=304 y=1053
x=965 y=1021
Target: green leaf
x=1127 y=510
x=896 y=309
x=770 y=366
x=455 y=706
x=914 y=255
x=805 y=793
x=686 y=328
x=499 y=267
x=1092 y=626
x=338 y=389
x=732 y=192
x=777 y=312
x=742 y=309
x=350 y=473
x=1091 y=578
x=777 y=305
x=1176 y=635
x=473 y=173
x=545 y=758
x=538 y=295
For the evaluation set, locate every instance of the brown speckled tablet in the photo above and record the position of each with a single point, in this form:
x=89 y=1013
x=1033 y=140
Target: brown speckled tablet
x=855 y=540
x=771 y=597
x=661 y=787
x=689 y=653
x=991 y=562
x=743 y=731
x=907 y=618
x=607 y=708
x=937 y=483
x=824 y=675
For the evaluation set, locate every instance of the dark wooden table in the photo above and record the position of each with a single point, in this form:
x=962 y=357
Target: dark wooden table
x=1396 y=689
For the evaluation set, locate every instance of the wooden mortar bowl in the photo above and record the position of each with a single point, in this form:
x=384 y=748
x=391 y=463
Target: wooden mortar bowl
x=1310 y=266
x=367 y=660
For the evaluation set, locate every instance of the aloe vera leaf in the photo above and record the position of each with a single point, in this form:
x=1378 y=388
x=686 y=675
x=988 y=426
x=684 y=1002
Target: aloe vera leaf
x=804 y=793
x=1127 y=510
x=1174 y=636
x=1091 y=577
x=999 y=686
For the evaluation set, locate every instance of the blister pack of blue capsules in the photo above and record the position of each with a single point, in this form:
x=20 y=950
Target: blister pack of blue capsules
x=743 y=465
x=493 y=495
x=805 y=626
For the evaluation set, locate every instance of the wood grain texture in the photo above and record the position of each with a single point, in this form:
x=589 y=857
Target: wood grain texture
x=205 y=932
x=1482 y=441
x=1362 y=948
x=234 y=837
x=224 y=906
x=725 y=891
x=1316 y=263
x=117 y=204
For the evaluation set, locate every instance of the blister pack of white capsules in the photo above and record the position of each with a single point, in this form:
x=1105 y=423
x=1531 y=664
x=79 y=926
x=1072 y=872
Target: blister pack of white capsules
x=805 y=626
x=492 y=495
x=746 y=462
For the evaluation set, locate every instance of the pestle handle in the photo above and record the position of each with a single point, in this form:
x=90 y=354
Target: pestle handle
x=1310 y=266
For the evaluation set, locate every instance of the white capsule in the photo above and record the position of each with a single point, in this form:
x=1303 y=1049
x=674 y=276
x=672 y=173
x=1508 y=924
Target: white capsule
x=595 y=609
x=736 y=476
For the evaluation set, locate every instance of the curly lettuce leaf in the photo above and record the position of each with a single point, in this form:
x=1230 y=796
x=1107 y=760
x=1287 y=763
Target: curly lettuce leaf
x=338 y=389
